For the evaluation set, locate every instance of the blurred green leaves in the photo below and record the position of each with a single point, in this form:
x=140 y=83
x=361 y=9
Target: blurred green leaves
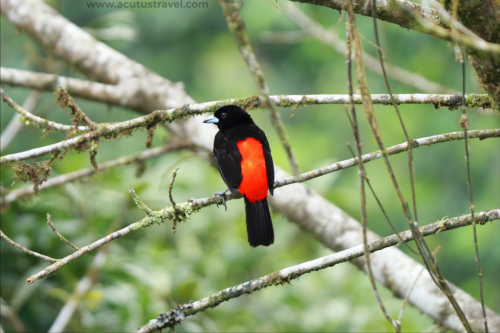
x=153 y=270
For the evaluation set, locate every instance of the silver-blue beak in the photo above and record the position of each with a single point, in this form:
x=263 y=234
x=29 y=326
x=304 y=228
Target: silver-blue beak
x=211 y=120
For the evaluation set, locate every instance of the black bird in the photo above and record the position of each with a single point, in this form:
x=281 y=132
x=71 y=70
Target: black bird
x=245 y=163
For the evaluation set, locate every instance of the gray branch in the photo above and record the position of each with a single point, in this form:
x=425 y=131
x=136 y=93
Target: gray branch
x=172 y=318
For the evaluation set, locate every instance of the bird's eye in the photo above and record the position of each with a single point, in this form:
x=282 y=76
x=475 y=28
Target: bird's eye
x=223 y=115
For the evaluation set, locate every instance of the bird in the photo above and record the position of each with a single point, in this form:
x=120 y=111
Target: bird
x=245 y=164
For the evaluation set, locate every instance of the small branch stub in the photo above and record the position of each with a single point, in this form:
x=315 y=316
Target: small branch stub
x=174 y=206
x=61 y=237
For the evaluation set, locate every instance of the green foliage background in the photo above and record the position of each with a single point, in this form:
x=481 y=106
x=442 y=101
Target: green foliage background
x=153 y=270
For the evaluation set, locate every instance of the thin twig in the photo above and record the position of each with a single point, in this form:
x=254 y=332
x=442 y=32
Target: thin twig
x=35 y=120
x=174 y=317
x=394 y=104
x=400 y=317
x=15 y=125
x=237 y=28
x=171 y=187
x=61 y=237
x=174 y=206
x=331 y=39
x=464 y=123
x=351 y=29
x=381 y=206
x=26 y=191
x=422 y=246
x=22 y=248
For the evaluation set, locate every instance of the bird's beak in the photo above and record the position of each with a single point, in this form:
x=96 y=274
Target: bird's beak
x=211 y=120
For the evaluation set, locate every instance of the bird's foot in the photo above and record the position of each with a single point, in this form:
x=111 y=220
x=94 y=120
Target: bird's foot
x=222 y=195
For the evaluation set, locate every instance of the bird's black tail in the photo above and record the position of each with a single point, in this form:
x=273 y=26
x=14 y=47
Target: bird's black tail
x=259 y=223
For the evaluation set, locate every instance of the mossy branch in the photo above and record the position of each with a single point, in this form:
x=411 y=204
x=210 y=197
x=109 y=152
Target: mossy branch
x=161 y=116
x=30 y=119
x=137 y=159
x=184 y=210
x=65 y=101
x=284 y=276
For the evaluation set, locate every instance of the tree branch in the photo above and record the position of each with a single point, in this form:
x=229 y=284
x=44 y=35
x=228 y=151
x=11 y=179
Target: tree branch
x=38 y=121
x=386 y=11
x=25 y=250
x=471 y=41
x=191 y=206
x=75 y=175
x=331 y=39
x=281 y=277
x=14 y=125
x=170 y=115
x=94 y=91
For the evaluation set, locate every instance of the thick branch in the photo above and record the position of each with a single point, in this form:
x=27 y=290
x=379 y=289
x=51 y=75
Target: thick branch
x=143 y=89
x=386 y=11
x=94 y=91
x=174 y=317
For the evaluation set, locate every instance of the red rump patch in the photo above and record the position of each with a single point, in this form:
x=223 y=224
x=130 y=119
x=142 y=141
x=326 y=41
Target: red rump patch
x=253 y=169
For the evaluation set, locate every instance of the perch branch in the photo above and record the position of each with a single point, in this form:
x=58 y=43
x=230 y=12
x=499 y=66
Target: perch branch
x=176 y=316
x=194 y=205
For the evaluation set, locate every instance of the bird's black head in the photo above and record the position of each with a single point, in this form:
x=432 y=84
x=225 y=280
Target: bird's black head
x=229 y=116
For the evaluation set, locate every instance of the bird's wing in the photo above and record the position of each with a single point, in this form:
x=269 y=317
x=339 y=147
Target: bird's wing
x=228 y=161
